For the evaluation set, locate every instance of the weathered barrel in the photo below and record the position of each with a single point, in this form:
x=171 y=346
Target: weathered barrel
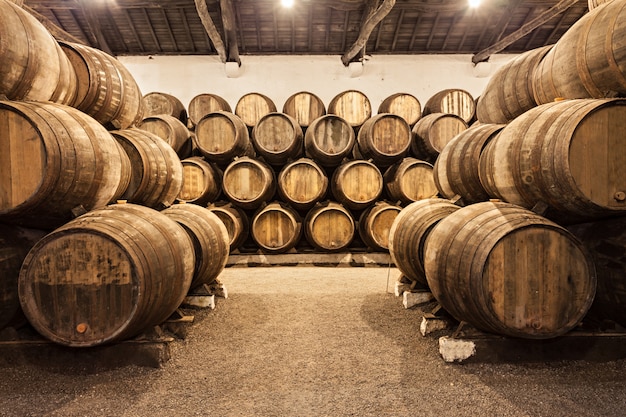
x=276 y=227
x=592 y=4
x=210 y=239
x=456 y=169
x=278 y=137
x=222 y=136
x=119 y=283
x=410 y=180
x=404 y=105
x=452 y=101
x=507 y=270
x=566 y=154
x=433 y=132
x=375 y=223
x=105 y=88
x=203 y=104
x=357 y=184
x=158 y=103
x=304 y=107
x=353 y=106
x=248 y=183
x=589 y=60
x=510 y=92
x=235 y=220
x=157 y=173
x=252 y=106
x=328 y=140
x=170 y=129
x=302 y=183
x=329 y=227
x=384 y=138
x=68 y=161
x=409 y=231
x=202 y=182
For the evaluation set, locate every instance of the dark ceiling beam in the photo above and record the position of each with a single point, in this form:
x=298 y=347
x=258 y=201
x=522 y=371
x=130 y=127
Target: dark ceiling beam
x=155 y=38
x=366 y=30
x=93 y=12
x=370 y=8
x=56 y=31
x=211 y=30
x=397 y=31
x=230 y=31
x=503 y=23
x=183 y=17
x=169 y=29
x=131 y=25
x=523 y=30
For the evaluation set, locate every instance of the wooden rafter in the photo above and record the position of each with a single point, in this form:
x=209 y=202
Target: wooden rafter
x=53 y=28
x=366 y=29
x=230 y=31
x=211 y=30
x=93 y=12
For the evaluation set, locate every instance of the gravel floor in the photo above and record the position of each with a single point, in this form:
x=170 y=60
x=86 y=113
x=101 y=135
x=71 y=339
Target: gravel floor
x=314 y=341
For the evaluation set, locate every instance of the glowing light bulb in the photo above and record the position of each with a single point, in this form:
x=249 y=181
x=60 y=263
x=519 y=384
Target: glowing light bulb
x=474 y=3
x=286 y=3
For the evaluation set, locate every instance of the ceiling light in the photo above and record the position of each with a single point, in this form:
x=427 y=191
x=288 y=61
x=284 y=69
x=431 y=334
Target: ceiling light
x=286 y=3
x=474 y=3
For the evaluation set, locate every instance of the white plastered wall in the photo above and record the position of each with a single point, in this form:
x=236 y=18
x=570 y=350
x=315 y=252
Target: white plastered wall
x=280 y=76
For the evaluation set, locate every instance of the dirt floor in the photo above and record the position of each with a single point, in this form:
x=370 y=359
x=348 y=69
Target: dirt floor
x=314 y=341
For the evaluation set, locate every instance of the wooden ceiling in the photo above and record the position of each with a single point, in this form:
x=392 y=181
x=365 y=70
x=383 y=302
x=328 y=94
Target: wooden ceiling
x=350 y=29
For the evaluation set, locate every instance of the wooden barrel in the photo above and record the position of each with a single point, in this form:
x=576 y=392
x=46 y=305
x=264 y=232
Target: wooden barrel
x=105 y=88
x=157 y=103
x=452 y=101
x=357 y=184
x=302 y=183
x=567 y=155
x=252 y=106
x=248 y=183
x=433 y=132
x=458 y=164
x=202 y=182
x=67 y=86
x=410 y=180
x=375 y=223
x=168 y=128
x=509 y=92
x=235 y=220
x=592 y=4
x=304 y=107
x=404 y=105
x=278 y=137
x=203 y=104
x=507 y=270
x=384 y=138
x=328 y=140
x=276 y=228
x=210 y=239
x=588 y=61
x=119 y=283
x=409 y=231
x=157 y=173
x=353 y=106
x=69 y=161
x=329 y=227
x=222 y=136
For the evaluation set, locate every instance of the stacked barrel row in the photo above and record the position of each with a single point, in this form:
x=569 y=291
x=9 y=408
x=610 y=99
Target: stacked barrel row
x=81 y=270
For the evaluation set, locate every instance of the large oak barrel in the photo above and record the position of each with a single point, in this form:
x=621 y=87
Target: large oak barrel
x=203 y=104
x=170 y=129
x=210 y=239
x=357 y=184
x=452 y=101
x=248 y=183
x=328 y=140
x=302 y=183
x=157 y=173
x=202 y=183
x=222 y=136
x=509 y=91
x=54 y=160
x=433 y=132
x=278 y=137
x=252 y=106
x=404 y=105
x=353 y=106
x=592 y=4
x=106 y=89
x=106 y=276
x=507 y=270
x=456 y=169
x=235 y=220
x=329 y=227
x=157 y=103
x=410 y=180
x=384 y=138
x=276 y=227
x=567 y=155
x=409 y=231
x=375 y=223
x=589 y=60
x=304 y=107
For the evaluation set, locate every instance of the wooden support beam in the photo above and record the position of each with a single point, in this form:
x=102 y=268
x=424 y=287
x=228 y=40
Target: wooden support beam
x=370 y=8
x=93 y=13
x=211 y=30
x=230 y=31
x=366 y=29
x=53 y=28
x=524 y=30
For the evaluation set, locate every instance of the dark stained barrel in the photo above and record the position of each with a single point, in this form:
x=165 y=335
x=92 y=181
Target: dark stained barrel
x=248 y=183
x=276 y=227
x=235 y=220
x=222 y=136
x=410 y=180
x=168 y=128
x=202 y=182
x=328 y=140
x=433 y=132
x=375 y=223
x=278 y=137
x=157 y=103
x=384 y=138
x=329 y=227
